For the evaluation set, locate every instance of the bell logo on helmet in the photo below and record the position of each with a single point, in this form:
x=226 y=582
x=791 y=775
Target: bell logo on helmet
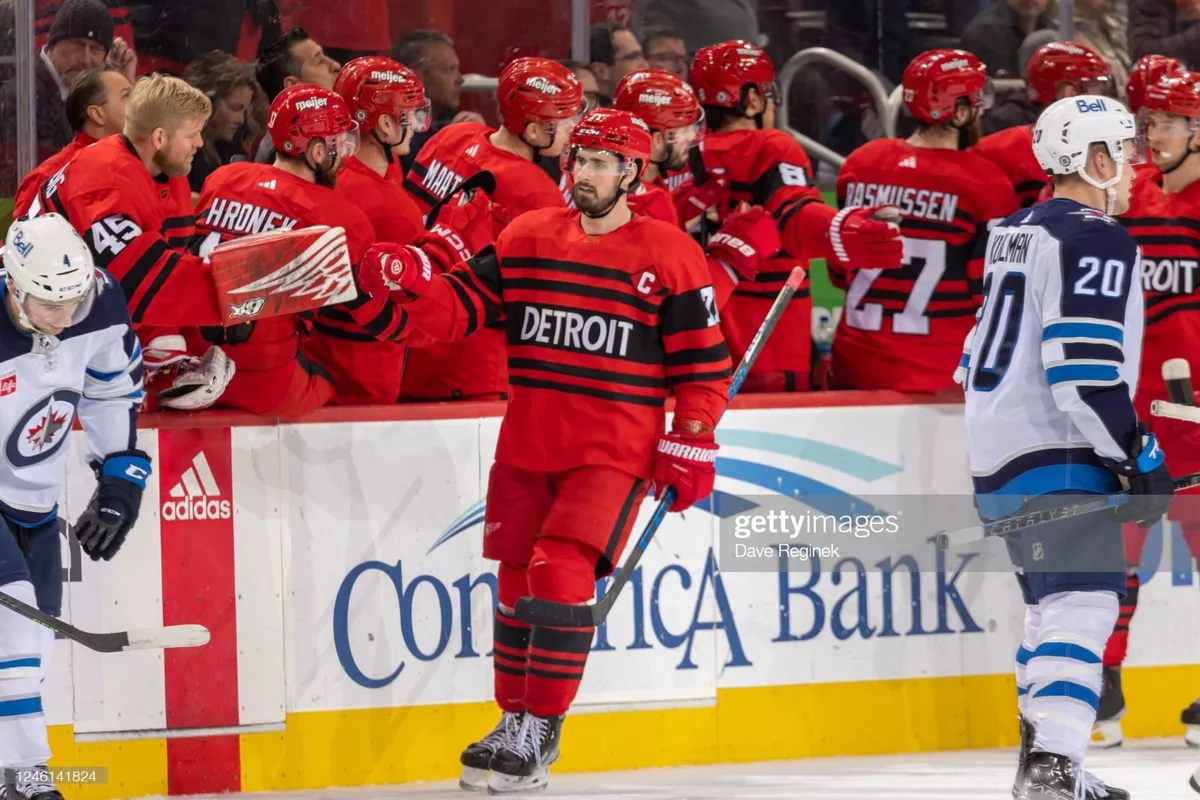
x=388 y=77
x=23 y=247
x=1085 y=106
x=312 y=103
x=654 y=98
x=542 y=85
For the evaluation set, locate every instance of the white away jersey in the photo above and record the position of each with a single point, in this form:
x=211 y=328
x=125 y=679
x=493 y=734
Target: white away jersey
x=95 y=374
x=1051 y=365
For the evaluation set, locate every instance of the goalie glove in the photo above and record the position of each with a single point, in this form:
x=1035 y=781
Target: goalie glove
x=867 y=237
x=179 y=381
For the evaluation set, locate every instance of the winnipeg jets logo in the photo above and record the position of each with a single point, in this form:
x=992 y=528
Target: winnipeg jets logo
x=43 y=429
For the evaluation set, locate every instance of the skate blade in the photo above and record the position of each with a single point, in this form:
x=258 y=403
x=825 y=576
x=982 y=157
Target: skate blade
x=1107 y=735
x=1192 y=737
x=500 y=784
x=473 y=780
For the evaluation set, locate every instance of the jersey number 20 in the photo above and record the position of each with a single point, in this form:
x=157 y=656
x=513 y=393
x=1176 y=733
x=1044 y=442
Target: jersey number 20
x=925 y=255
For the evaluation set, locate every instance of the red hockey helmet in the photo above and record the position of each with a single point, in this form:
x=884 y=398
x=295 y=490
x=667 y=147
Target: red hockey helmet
x=618 y=132
x=1056 y=63
x=660 y=98
x=304 y=112
x=1145 y=73
x=376 y=85
x=1177 y=93
x=537 y=90
x=721 y=71
x=937 y=79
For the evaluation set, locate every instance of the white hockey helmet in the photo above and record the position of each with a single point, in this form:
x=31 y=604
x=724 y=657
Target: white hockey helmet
x=1068 y=127
x=45 y=258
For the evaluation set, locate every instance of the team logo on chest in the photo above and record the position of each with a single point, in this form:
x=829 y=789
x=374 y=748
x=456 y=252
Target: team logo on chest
x=43 y=429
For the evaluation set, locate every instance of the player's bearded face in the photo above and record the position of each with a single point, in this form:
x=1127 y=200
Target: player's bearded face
x=175 y=157
x=597 y=177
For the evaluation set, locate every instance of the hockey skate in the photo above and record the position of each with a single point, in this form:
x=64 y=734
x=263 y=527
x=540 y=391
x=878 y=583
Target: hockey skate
x=523 y=767
x=1191 y=718
x=475 y=758
x=31 y=783
x=1027 y=733
x=1195 y=781
x=1046 y=776
x=1107 y=731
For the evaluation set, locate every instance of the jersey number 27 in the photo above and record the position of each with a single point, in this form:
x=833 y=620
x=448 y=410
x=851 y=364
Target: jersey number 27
x=928 y=256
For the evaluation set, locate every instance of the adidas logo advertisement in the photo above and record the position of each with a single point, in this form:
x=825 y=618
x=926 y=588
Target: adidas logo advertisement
x=196 y=496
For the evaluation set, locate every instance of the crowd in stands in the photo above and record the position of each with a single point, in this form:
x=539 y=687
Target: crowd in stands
x=242 y=54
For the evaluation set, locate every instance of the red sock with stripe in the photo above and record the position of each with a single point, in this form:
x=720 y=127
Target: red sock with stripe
x=510 y=640
x=1118 y=642
x=562 y=570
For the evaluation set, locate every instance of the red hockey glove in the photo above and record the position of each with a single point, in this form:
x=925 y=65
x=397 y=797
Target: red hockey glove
x=692 y=201
x=746 y=241
x=387 y=267
x=867 y=237
x=459 y=232
x=686 y=462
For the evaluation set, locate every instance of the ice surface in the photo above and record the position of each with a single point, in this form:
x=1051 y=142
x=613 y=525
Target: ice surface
x=1149 y=770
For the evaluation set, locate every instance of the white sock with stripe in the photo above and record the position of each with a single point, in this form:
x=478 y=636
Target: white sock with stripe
x=1064 y=671
x=1033 y=621
x=23 y=740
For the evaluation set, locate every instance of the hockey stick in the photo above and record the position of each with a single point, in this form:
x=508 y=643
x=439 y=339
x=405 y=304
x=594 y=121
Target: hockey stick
x=535 y=611
x=1180 y=411
x=137 y=639
x=1020 y=522
x=484 y=180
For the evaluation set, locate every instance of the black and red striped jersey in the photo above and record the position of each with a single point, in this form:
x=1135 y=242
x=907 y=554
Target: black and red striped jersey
x=903 y=329
x=599 y=330
x=136 y=226
x=1166 y=227
x=243 y=199
x=768 y=168
x=475 y=368
x=1012 y=151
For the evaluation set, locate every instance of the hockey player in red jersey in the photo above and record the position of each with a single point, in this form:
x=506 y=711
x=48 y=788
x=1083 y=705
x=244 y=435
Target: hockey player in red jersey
x=539 y=102
x=607 y=313
x=313 y=133
x=735 y=83
x=1146 y=73
x=129 y=198
x=903 y=329
x=1056 y=70
x=388 y=102
x=1162 y=219
x=670 y=108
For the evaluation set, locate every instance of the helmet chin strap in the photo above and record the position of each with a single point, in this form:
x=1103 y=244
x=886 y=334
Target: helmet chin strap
x=616 y=197
x=1108 y=187
x=1189 y=151
x=387 y=148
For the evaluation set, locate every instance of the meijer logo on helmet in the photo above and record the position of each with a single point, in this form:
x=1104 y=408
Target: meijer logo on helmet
x=389 y=77
x=312 y=103
x=542 y=85
x=654 y=98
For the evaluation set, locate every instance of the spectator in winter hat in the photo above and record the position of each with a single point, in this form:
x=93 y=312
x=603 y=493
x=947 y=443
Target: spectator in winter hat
x=80 y=38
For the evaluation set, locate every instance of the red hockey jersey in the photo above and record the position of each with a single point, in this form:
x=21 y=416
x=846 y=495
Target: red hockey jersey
x=768 y=168
x=903 y=329
x=136 y=226
x=31 y=184
x=1012 y=151
x=474 y=368
x=394 y=216
x=1167 y=229
x=243 y=199
x=600 y=329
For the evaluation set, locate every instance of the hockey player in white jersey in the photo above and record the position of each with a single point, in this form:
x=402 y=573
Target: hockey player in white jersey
x=66 y=351
x=1050 y=372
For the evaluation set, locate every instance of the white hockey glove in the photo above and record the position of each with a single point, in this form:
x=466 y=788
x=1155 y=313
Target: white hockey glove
x=182 y=382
